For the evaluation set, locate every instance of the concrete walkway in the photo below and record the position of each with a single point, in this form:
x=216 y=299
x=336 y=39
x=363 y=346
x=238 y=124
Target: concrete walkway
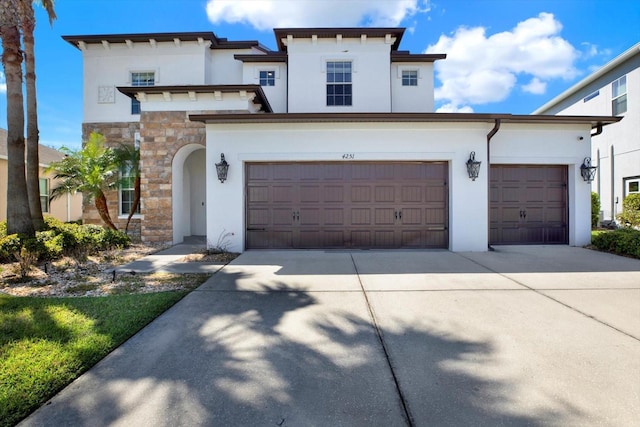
x=520 y=336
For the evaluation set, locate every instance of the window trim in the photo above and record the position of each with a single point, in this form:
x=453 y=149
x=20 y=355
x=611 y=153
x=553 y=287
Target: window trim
x=615 y=99
x=46 y=196
x=272 y=79
x=625 y=185
x=410 y=79
x=335 y=84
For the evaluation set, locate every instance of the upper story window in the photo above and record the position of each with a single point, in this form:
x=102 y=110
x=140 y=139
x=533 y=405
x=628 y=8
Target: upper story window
x=619 y=96
x=339 y=83
x=267 y=78
x=44 y=194
x=146 y=78
x=410 y=78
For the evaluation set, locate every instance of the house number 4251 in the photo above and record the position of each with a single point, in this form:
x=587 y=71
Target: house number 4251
x=348 y=156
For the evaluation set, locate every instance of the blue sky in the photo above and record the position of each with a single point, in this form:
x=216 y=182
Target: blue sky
x=506 y=56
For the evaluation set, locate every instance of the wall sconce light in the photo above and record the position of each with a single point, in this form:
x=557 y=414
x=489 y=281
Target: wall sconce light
x=222 y=168
x=587 y=171
x=473 y=166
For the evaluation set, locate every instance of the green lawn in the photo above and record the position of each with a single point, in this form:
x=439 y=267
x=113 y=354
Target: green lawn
x=45 y=343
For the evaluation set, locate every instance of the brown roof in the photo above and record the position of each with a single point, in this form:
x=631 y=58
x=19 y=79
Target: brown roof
x=130 y=91
x=269 y=57
x=594 y=121
x=216 y=42
x=46 y=155
x=414 y=57
x=282 y=33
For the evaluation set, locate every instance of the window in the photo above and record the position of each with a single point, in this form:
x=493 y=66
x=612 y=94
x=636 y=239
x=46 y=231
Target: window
x=127 y=190
x=633 y=186
x=339 y=83
x=619 y=96
x=267 y=78
x=140 y=79
x=44 y=194
x=410 y=78
x=591 y=96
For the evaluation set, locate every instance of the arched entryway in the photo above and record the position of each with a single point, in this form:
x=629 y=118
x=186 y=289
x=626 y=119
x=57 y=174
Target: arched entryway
x=189 y=192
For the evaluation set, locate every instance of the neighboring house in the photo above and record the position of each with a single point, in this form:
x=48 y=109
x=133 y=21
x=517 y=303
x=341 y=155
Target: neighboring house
x=64 y=208
x=331 y=142
x=614 y=90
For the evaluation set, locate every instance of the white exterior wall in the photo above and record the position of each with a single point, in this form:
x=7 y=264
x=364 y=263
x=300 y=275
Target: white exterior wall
x=412 y=99
x=553 y=145
x=308 y=77
x=623 y=137
x=224 y=69
x=277 y=95
x=452 y=142
x=112 y=66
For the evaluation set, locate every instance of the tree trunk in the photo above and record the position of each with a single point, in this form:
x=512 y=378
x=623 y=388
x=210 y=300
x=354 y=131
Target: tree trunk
x=33 y=138
x=136 y=201
x=18 y=215
x=103 y=210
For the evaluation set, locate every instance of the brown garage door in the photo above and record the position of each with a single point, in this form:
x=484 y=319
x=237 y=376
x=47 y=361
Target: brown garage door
x=528 y=204
x=347 y=205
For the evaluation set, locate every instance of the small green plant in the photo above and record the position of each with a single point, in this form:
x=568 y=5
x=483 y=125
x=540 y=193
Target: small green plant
x=595 y=209
x=630 y=216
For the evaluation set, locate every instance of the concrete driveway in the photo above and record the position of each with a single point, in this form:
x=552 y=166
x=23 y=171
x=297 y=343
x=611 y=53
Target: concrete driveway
x=520 y=336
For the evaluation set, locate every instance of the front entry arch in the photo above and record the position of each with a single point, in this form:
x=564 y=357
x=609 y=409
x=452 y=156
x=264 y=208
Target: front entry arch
x=189 y=192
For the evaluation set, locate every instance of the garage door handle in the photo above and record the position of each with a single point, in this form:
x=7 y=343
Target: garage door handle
x=256 y=229
x=398 y=214
x=439 y=228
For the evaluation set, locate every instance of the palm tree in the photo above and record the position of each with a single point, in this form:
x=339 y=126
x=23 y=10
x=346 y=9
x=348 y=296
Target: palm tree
x=93 y=170
x=129 y=157
x=18 y=215
x=28 y=22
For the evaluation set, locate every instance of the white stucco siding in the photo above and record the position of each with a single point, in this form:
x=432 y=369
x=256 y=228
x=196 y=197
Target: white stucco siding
x=224 y=69
x=412 y=99
x=104 y=69
x=552 y=145
x=308 y=78
x=277 y=94
x=623 y=137
x=366 y=142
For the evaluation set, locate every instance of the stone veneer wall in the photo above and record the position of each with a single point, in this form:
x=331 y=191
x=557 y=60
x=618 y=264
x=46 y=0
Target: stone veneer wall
x=115 y=133
x=163 y=133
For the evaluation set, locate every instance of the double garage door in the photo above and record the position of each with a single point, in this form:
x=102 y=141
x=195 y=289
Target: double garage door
x=347 y=205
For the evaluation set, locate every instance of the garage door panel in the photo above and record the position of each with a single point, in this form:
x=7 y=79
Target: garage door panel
x=384 y=194
x=528 y=204
x=353 y=205
x=360 y=194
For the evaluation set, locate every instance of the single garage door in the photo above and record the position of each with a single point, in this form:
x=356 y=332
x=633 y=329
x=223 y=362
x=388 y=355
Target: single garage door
x=529 y=204
x=347 y=205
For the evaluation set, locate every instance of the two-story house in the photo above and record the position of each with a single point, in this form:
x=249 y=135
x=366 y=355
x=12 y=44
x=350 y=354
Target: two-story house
x=329 y=142
x=613 y=89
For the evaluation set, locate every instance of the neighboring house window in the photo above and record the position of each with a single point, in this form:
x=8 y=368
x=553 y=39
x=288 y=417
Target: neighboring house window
x=140 y=79
x=267 y=78
x=410 y=78
x=619 y=96
x=339 y=83
x=633 y=186
x=44 y=194
x=127 y=190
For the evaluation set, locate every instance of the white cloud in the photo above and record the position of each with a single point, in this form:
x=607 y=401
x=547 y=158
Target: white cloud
x=535 y=86
x=3 y=83
x=480 y=69
x=269 y=14
x=451 y=108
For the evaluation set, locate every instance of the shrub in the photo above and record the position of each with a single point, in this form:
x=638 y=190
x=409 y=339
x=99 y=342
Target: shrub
x=9 y=246
x=595 y=209
x=111 y=239
x=3 y=229
x=623 y=241
x=50 y=244
x=630 y=216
